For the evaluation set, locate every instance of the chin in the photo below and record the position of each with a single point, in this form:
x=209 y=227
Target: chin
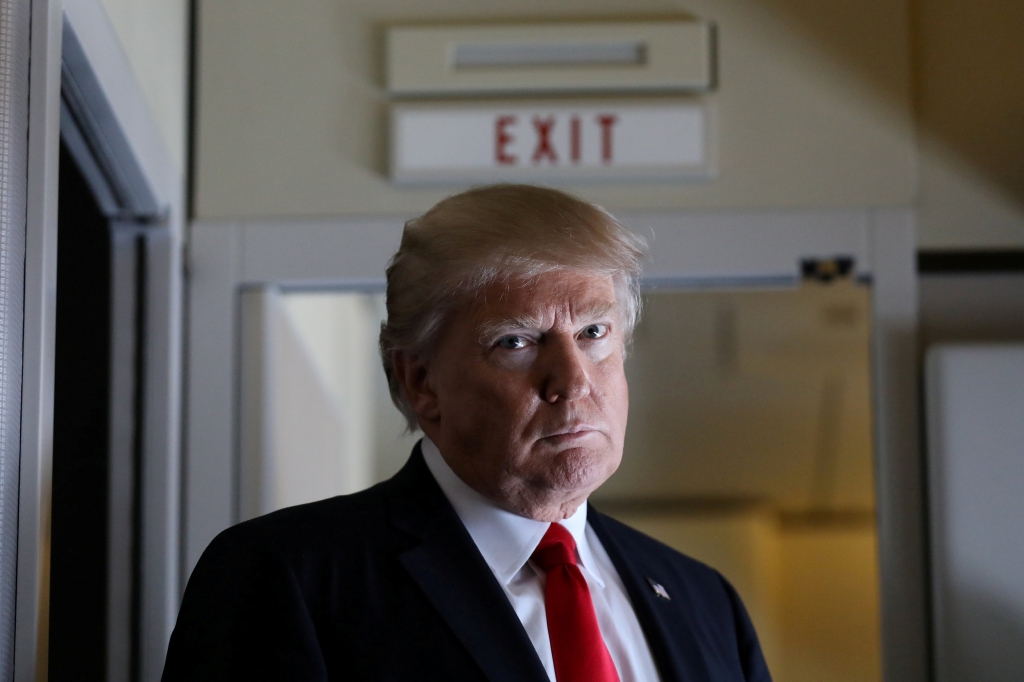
x=579 y=470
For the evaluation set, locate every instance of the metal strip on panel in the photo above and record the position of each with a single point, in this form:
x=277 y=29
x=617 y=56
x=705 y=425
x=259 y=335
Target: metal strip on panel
x=40 y=309
x=14 y=48
x=258 y=307
x=209 y=467
x=159 y=480
x=511 y=55
x=125 y=448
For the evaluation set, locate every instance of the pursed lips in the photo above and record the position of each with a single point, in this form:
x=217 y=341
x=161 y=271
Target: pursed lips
x=571 y=432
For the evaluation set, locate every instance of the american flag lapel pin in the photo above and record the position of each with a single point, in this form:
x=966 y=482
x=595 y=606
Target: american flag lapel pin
x=659 y=589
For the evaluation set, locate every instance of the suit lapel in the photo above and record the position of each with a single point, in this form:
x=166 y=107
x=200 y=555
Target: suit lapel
x=668 y=625
x=448 y=567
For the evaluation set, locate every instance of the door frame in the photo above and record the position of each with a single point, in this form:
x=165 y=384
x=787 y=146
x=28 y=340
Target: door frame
x=698 y=248
x=128 y=151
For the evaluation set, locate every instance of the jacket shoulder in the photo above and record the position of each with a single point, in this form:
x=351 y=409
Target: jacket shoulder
x=349 y=520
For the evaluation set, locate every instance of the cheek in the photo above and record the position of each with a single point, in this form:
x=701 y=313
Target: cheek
x=616 y=394
x=611 y=374
x=488 y=402
x=622 y=402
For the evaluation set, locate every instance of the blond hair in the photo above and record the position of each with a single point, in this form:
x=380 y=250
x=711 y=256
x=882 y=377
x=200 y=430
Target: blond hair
x=489 y=234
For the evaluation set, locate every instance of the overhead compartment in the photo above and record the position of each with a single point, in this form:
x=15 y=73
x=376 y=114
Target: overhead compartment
x=642 y=57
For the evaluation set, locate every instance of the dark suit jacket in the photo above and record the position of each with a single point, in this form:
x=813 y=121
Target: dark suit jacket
x=387 y=584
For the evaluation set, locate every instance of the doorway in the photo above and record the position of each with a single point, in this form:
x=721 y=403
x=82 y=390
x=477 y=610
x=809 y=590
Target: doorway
x=256 y=285
x=80 y=535
x=115 y=294
x=749 y=444
x=98 y=443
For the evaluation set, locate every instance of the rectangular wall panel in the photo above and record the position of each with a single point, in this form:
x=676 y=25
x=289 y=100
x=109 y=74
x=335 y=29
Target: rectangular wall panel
x=662 y=56
x=975 y=399
x=544 y=141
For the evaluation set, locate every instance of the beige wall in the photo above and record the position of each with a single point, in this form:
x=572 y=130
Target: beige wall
x=970 y=102
x=291 y=103
x=154 y=35
x=816 y=107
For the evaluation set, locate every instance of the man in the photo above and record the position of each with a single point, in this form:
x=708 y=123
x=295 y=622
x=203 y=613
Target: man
x=509 y=310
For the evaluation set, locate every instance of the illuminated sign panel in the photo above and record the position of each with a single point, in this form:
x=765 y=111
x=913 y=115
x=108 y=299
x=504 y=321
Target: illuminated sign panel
x=485 y=143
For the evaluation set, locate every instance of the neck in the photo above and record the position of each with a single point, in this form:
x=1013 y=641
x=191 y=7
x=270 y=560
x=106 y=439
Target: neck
x=549 y=512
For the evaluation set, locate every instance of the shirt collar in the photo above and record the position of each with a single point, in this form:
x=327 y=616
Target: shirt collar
x=505 y=539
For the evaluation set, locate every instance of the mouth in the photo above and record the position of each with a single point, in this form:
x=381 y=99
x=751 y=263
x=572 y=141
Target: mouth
x=570 y=433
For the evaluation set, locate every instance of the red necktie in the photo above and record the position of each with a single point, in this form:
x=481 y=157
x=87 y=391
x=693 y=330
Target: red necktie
x=578 y=650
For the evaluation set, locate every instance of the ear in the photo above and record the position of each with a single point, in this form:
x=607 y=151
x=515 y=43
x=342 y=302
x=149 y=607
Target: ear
x=413 y=376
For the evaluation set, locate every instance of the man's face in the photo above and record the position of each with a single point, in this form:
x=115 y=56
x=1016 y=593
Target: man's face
x=525 y=394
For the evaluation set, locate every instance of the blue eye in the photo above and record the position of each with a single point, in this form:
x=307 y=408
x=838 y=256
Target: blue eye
x=512 y=342
x=595 y=331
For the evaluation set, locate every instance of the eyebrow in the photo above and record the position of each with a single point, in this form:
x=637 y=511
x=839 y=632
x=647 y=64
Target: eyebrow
x=492 y=327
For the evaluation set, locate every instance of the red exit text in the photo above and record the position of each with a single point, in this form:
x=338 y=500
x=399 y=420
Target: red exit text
x=552 y=140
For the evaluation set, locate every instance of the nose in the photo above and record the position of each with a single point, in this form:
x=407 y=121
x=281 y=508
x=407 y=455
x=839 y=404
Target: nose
x=564 y=370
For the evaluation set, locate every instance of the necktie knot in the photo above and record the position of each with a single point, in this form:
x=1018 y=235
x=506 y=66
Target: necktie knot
x=577 y=647
x=556 y=548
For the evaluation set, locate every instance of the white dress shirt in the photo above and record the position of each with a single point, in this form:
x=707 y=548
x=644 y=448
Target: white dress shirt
x=507 y=540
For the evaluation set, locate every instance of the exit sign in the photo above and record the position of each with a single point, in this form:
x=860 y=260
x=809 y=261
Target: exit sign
x=487 y=143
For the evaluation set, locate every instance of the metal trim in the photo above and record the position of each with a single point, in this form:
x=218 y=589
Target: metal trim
x=97 y=141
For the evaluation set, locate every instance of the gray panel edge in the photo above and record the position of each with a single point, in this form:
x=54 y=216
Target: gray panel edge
x=899 y=475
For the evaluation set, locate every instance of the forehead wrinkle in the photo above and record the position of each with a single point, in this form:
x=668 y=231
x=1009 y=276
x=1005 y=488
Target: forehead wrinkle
x=491 y=326
x=593 y=309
